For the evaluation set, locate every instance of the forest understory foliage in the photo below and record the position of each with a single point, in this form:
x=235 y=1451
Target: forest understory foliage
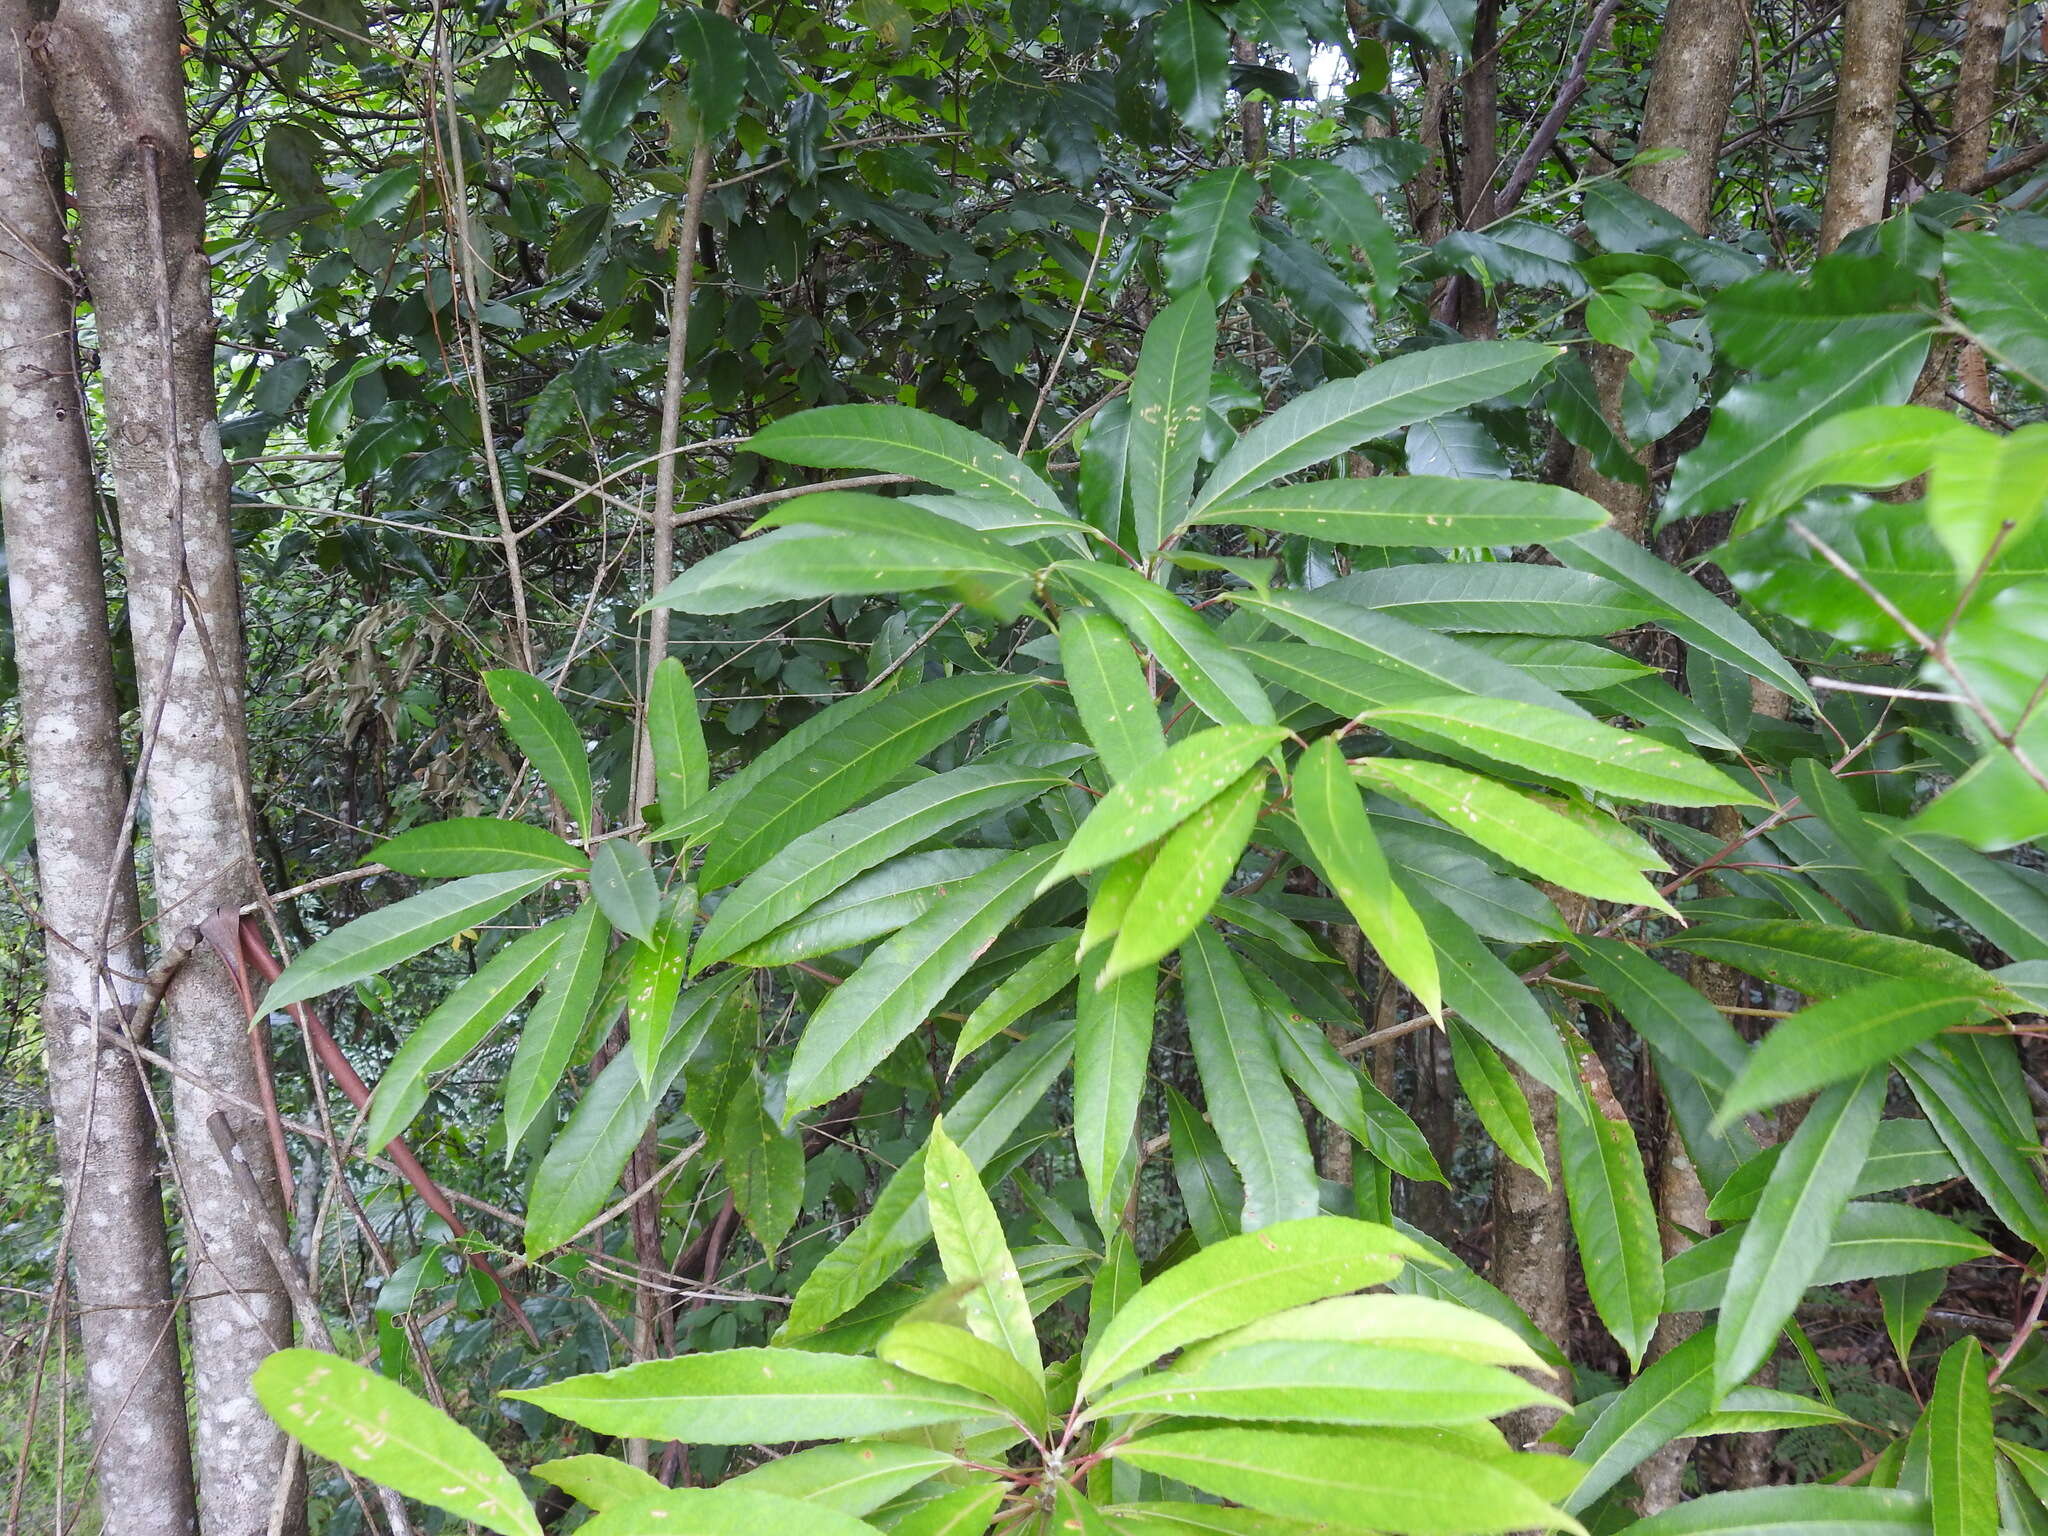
x=1242 y=766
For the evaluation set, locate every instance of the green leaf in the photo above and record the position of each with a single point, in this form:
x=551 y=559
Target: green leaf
x=1332 y=204
x=1186 y=876
x=370 y=1425
x=1846 y=1035
x=602 y=1482
x=539 y=727
x=1340 y=415
x=1809 y=1511
x=763 y=1165
x=942 y=1352
x=1984 y=893
x=1999 y=289
x=675 y=734
x=1870 y=1239
x=1670 y=1395
x=973 y=1251
x=1902 y=1154
x=905 y=977
x=1962 y=1468
x=1249 y=1102
x=1416 y=511
x=1905 y=1301
x=1347 y=1096
x=753 y=1396
x=1332 y=817
x=1163 y=793
x=589 y=1152
x=1318 y=1381
x=1215 y=681
x=619 y=31
x=622 y=881
x=1876 y=447
x=477 y=845
x=654 y=978
x=1566 y=749
x=1828 y=959
x=1210 y=1191
x=901 y=440
x=1496 y=1098
x=716 y=51
x=1748 y=1410
x=1757 y=426
x=821 y=861
x=1782 y=1246
x=724 y=1511
x=1497 y=1003
x=963 y=1513
x=1693 y=613
x=1773 y=320
x=1108 y=690
x=1037 y=981
x=1404 y=1323
x=872 y=748
x=1240 y=1280
x=877 y=903
x=1614 y=1217
x=1169 y=404
x=1112 y=1044
x=1680 y=1025
x=555 y=1022
x=1985 y=492
x=1207 y=240
x=852 y=1478
x=452 y=1030
x=1405 y=1484
x=1498 y=597
x=398 y=932
x=1973 y=1130
x=1192 y=49
x=1520 y=828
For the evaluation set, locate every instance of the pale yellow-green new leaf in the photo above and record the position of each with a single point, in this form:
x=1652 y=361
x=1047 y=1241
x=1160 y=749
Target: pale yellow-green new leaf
x=973 y=1252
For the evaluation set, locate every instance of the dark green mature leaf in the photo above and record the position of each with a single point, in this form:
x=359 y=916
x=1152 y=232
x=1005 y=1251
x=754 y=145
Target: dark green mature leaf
x=555 y=1022
x=352 y=1416
x=1782 y=1248
x=1340 y=415
x=1679 y=1024
x=1773 y=321
x=1345 y=1095
x=1499 y=598
x=538 y=725
x=1828 y=959
x=1193 y=52
x=1496 y=1002
x=1112 y=1043
x=1169 y=403
x=753 y=1396
x=610 y=100
x=1329 y=303
x=1963 y=1109
x=1811 y=1511
x=1164 y=793
x=1217 y=682
x=1903 y=1153
x=1962 y=1467
x=1871 y=1238
x=1844 y=1036
x=1207 y=240
x=477 y=845
x=398 y=932
x=1496 y=1098
x=904 y=978
x=623 y=884
x=1240 y=1280
x=1108 y=689
x=901 y=440
x=1614 y=1217
x=1423 y=511
x=1248 y=1098
x=821 y=861
x=1333 y=204
x=1999 y=288
x=841 y=769
x=1210 y=1190
x=716 y=52
x=675 y=734
x=1671 y=1394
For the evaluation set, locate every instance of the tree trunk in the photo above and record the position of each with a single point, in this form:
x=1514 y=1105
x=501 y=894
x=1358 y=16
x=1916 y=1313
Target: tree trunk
x=1975 y=101
x=1866 y=99
x=1686 y=105
x=115 y=72
x=70 y=711
x=1532 y=1250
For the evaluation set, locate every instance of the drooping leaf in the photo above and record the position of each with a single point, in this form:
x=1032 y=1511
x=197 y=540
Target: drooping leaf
x=675 y=735
x=555 y=1022
x=1680 y=1024
x=1614 y=1217
x=764 y=1164
x=623 y=884
x=1108 y=689
x=1496 y=1098
x=1188 y=873
x=1112 y=1044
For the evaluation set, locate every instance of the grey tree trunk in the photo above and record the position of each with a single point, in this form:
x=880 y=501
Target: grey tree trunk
x=116 y=77
x=1866 y=101
x=106 y=1144
x=1686 y=104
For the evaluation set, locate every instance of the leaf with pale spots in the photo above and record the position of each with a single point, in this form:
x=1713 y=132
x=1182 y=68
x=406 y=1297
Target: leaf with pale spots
x=1416 y=511
x=371 y=1425
x=899 y=439
x=654 y=977
x=1188 y=874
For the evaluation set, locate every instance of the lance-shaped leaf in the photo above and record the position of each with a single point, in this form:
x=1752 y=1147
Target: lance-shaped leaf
x=619 y=30
x=764 y=1164
x=539 y=727
x=1784 y=1245
x=1963 y=1109
x=942 y=1352
x=1193 y=51
x=477 y=845
x=1658 y=1406
x=1825 y=959
x=1962 y=1467
x=1340 y=415
x=1210 y=1190
x=1108 y=689
x=1186 y=876
x=973 y=1251
x=1613 y=1214
x=371 y=1425
x=602 y=1482
x=1497 y=1003
x=1810 y=1511
x=1496 y=1098
x=453 y=1029
x=966 y=1512
x=1680 y=1025
x=1522 y=830
x=821 y=861
x=1249 y=1102
x=1566 y=749
x=1871 y=1239
x=904 y=978
x=1112 y=1043
x=1218 y=683
x=1902 y=1154
x=1332 y=817
x=654 y=978
x=723 y=1511
x=876 y=903
x=1342 y=1093
x=1206 y=238
x=555 y=1022
x=901 y=440
x=1038 y=980
x=675 y=735
x=1169 y=402
x=1410 y=1324
x=852 y=1478
x=1498 y=598
x=872 y=748
x=623 y=883
x=754 y=1396
x=1416 y=511
x=1239 y=1281
x=398 y=932
x=1164 y=793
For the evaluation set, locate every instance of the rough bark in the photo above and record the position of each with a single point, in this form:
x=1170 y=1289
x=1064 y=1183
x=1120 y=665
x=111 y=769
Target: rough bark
x=1532 y=1249
x=1479 y=163
x=1681 y=1214
x=1866 y=100
x=70 y=712
x=1686 y=104
x=1975 y=100
x=115 y=74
